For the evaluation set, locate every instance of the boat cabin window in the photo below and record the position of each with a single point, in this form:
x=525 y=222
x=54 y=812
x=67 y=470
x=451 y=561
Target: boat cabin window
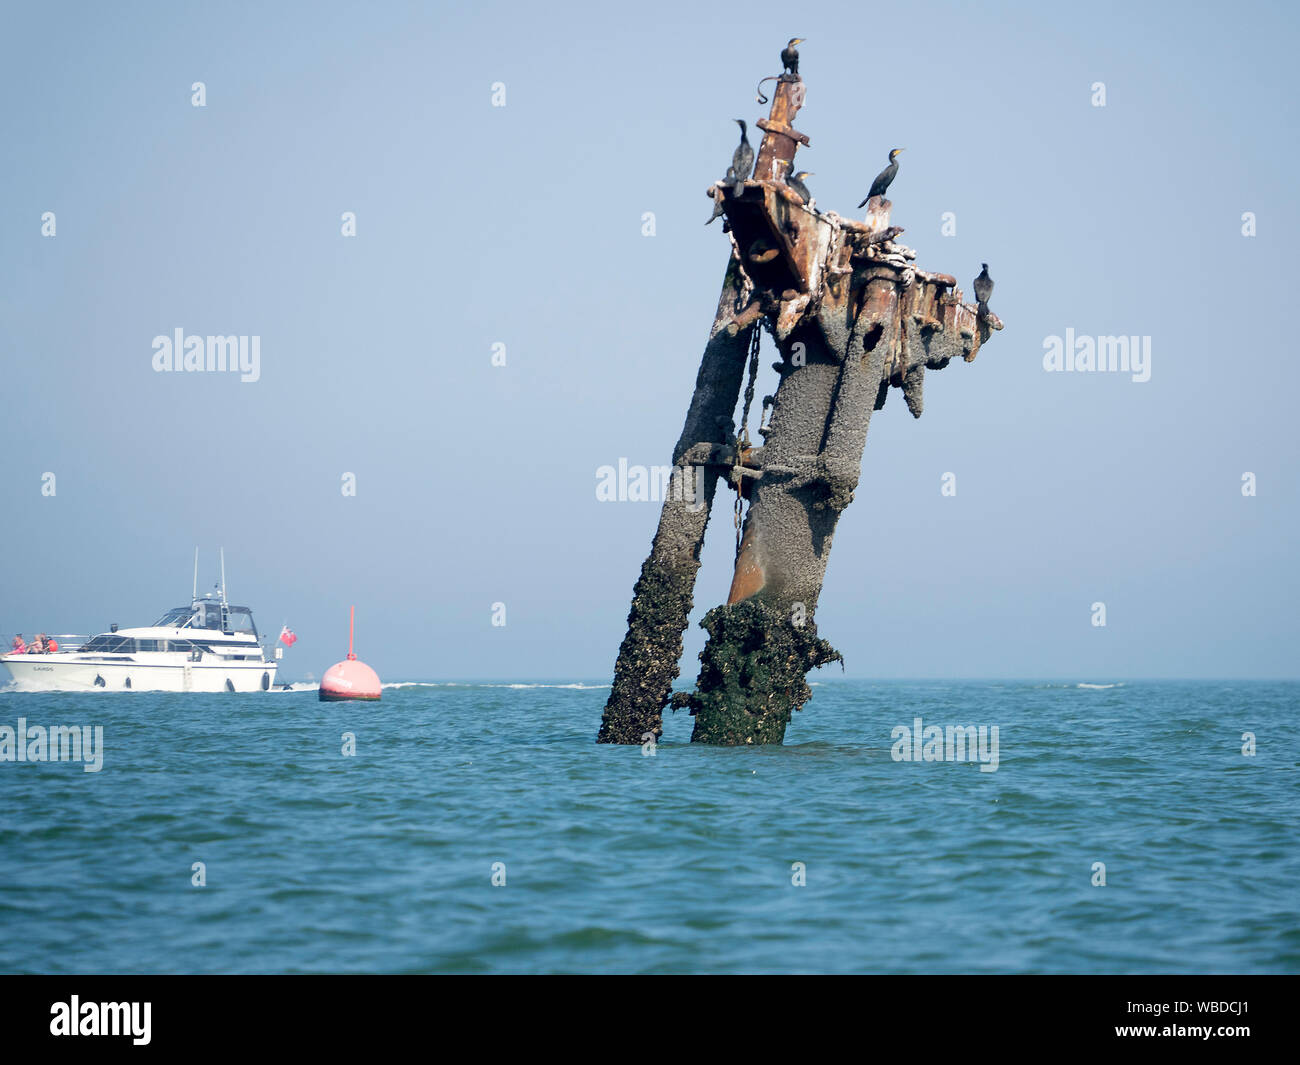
x=239 y=619
x=176 y=618
x=108 y=644
x=209 y=614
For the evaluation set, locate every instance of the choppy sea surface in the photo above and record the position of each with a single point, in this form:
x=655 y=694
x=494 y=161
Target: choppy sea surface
x=684 y=860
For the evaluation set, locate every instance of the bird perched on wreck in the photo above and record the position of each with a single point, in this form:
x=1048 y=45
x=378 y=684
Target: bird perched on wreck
x=742 y=160
x=885 y=178
x=795 y=182
x=717 y=206
x=983 y=290
x=790 y=57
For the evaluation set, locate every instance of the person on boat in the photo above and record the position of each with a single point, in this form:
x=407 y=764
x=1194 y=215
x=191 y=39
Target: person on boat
x=51 y=646
x=38 y=645
x=19 y=646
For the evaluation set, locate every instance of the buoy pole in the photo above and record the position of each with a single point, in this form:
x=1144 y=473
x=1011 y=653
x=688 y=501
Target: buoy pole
x=352 y=624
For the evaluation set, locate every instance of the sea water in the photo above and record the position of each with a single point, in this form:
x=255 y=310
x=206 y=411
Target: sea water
x=478 y=828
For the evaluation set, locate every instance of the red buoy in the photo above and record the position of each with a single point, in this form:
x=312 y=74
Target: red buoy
x=349 y=679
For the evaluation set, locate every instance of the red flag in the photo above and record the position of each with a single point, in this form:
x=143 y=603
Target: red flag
x=287 y=637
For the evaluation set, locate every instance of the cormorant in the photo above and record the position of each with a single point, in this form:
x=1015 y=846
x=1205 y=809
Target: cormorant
x=983 y=290
x=884 y=178
x=717 y=208
x=790 y=57
x=742 y=160
x=795 y=181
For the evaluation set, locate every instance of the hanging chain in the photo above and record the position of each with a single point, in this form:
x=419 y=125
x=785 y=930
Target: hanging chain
x=742 y=440
x=739 y=522
x=755 y=340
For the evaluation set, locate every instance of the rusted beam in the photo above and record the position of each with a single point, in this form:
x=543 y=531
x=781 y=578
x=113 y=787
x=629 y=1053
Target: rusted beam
x=664 y=593
x=780 y=139
x=883 y=328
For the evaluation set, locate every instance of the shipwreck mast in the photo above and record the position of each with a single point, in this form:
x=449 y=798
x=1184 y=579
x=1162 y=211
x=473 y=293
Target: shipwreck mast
x=851 y=315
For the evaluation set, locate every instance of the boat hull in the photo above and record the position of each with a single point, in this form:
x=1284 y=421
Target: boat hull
x=68 y=673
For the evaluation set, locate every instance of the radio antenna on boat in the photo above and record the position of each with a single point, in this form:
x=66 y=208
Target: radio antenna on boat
x=223 y=574
x=196 y=575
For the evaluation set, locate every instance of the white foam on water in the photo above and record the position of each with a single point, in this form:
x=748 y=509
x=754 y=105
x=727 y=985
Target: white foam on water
x=576 y=687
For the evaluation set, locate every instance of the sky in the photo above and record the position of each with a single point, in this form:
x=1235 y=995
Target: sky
x=523 y=225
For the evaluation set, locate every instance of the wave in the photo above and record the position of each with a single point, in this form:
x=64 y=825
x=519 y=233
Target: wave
x=1099 y=687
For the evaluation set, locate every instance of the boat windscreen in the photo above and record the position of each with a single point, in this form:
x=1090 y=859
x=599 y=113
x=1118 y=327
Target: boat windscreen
x=176 y=618
x=240 y=619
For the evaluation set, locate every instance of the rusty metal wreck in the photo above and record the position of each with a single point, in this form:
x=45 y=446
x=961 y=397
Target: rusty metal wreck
x=852 y=315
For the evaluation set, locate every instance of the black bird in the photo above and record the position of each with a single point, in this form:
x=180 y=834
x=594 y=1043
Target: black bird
x=790 y=56
x=884 y=178
x=795 y=181
x=742 y=160
x=717 y=209
x=983 y=290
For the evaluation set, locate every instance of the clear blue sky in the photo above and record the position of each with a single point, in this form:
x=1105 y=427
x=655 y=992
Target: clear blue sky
x=522 y=225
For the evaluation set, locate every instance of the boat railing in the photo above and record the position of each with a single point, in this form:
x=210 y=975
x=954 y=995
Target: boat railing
x=67 y=641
